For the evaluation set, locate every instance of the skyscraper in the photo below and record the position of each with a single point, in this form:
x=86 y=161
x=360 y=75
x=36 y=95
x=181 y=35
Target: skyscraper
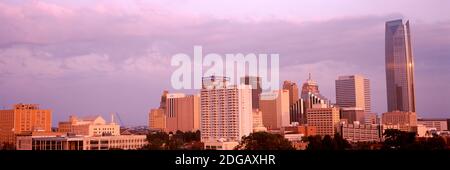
x=293 y=91
x=226 y=113
x=182 y=112
x=399 y=67
x=275 y=109
x=311 y=98
x=353 y=91
x=255 y=84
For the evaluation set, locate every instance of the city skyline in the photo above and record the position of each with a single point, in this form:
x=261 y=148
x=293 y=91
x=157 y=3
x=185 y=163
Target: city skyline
x=81 y=67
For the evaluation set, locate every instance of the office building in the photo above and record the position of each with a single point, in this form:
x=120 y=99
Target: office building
x=67 y=142
x=182 y=112
x=326 y=120
x=23 y=118
x=275 y=109
x=255 y=84
x=353 y=92
x=312 y=98
x=405 y=121
x=352 y=114
x=361 y=133
x=399 y=67
x=436 y=124
x=292 y=88
x=157 y=119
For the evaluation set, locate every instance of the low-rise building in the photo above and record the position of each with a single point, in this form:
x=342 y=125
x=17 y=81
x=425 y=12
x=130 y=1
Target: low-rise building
x=361 y=133
x=57 y=141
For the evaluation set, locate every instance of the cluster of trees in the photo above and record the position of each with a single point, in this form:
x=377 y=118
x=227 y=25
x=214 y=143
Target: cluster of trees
x=400 y=140
x=264 y=141
x=173 y=141
x=327 y=142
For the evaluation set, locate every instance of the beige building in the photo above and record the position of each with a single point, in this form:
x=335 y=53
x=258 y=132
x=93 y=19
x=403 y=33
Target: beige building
x=326 y=120
x=23 y=118
x=354 y=92
x=275 y=109
x=437 y=124
x=89 y=126
x=226 y=113
x=361 y=133
x=182 y=112
x=406 y=121
x=258 y=125
x=64 y=142
x=157 y=119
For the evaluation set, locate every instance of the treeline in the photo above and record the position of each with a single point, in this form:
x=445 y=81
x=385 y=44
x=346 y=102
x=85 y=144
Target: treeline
x=174 y=141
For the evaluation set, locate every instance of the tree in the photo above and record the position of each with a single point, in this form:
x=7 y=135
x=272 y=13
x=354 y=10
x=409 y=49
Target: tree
x=396 y=139
x=327 y=143
x=264 y=141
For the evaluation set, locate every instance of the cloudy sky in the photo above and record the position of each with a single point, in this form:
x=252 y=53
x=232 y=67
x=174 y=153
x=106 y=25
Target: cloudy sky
x=97 y=57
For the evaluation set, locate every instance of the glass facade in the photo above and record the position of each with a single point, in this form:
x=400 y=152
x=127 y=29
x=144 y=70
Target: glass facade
x=399 y=67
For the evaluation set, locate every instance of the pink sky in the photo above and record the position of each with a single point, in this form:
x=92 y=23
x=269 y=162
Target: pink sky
x=96 y=57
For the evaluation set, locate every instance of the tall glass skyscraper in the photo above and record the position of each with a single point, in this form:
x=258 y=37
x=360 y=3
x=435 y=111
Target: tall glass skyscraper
x=399 y=67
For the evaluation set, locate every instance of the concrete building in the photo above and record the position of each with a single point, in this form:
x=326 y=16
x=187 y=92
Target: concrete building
x=157 y=119
x=297 y=112
x=399 y=67
x=226 y=113
x=64 y=142
x=353 y=91
x=182 y=112
x=292 y=88
x=89 y=126
x=361 y=133
x=23 y=118
x=255 y=84
x=326 y=120
x=275 y=109
x=258 y=125
x=406 y=121
x=352 y=114
x=437 y=124
x=312 y=98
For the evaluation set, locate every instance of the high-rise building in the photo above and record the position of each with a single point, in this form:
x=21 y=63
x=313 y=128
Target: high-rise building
x=292 y=88
x=399 y=67
x=406 y=121
x=89 y=126
x=23 y=118
x=353 y=91
x=275 y=109
x=226 y=113
x=182 y=112
x=297 y=111
x=255 y=83
x=326 y=120
x=312 y=98
x=157 y=119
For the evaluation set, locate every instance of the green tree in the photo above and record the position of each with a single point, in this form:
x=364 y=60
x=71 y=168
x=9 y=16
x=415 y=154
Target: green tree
x=264 y=141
